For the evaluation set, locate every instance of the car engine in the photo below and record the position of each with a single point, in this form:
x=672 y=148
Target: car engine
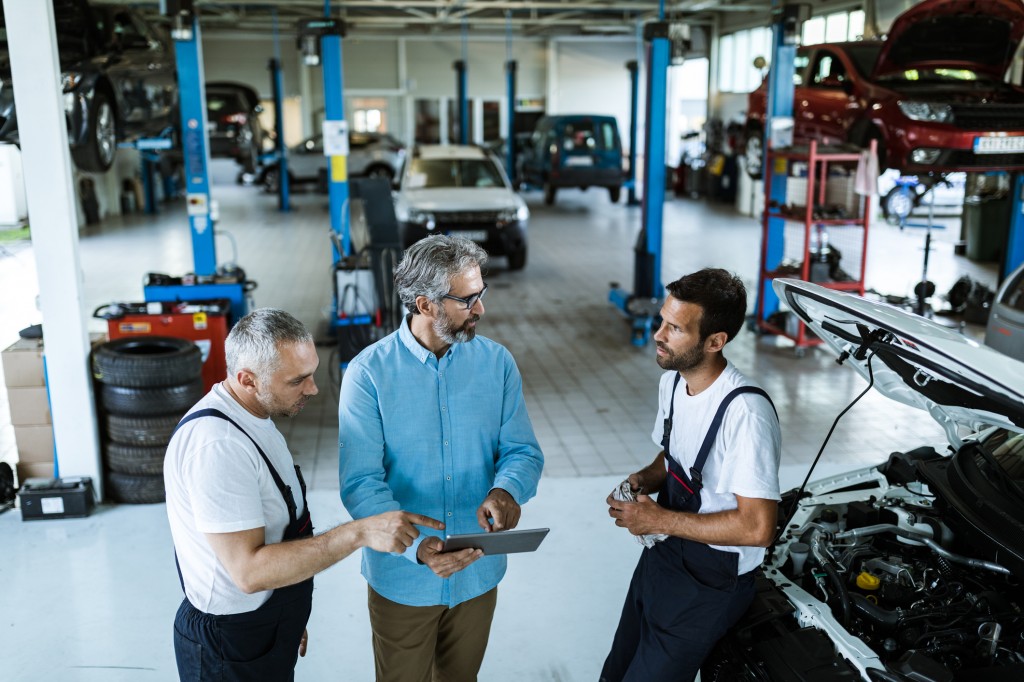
x=874 y=579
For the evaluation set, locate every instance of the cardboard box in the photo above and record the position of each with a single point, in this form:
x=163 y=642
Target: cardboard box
x=23 y=363
x=35 y=443
x=27 y=470
x=56 y=498
x=29 y=406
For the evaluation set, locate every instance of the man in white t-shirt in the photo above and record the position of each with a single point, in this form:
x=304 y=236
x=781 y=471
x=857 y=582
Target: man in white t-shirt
x=236 y=503
x=717 y=479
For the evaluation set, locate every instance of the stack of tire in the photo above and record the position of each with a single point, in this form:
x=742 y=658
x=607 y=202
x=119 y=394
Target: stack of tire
x=147 y=383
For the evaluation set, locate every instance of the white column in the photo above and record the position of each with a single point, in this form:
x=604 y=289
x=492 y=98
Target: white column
x=51 y=206
x=551 y=102
x=306 y=97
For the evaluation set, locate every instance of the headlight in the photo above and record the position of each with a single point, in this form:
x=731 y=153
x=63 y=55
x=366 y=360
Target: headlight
x=926 y=111
x=69 y=80
x=424 y=218
x=511 y=215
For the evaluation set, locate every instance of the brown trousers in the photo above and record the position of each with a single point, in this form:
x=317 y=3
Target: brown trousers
x=430 y=643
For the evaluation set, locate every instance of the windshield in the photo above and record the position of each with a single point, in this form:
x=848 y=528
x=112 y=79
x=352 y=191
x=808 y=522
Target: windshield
x=427 y=173
x=1007 y=450
x=864 y=56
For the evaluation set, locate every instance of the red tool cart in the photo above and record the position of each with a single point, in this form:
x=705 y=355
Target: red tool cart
x=205 y=323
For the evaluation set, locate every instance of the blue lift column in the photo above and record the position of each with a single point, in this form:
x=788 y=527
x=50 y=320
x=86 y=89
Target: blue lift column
x=1015 y=240
x=634 y=105
x=643 y=304
x=460 y=92
x=785 y=33
x=284 y=202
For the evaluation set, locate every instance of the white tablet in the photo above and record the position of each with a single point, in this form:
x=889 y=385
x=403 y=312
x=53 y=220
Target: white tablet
x=498 y=542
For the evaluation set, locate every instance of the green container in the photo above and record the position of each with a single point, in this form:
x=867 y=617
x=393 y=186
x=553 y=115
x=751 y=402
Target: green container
x=986 y=227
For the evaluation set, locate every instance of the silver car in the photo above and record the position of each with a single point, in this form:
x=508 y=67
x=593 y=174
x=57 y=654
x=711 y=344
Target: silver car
x=373 y=155
x=1005 y=331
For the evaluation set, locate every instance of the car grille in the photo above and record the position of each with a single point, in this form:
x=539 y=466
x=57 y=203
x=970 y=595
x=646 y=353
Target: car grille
x=988 y=116
x=466 y=218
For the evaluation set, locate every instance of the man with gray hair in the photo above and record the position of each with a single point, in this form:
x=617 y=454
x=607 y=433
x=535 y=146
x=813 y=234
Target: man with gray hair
x=236 y=503
x=433 y=420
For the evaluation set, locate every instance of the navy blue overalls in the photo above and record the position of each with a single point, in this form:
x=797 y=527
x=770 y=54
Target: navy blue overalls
x=257 y=645
x=684 y=595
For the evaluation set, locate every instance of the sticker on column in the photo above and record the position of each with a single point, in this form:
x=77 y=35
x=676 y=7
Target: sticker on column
x=199 y=321
x=339 y=168
x=335 y=138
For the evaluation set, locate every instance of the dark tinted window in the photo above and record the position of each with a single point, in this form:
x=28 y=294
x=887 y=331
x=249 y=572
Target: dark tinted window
x=864 y=56
x=588 y=136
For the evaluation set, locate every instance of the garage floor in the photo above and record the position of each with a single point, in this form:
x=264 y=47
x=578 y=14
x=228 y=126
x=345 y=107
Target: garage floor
x=93 y=599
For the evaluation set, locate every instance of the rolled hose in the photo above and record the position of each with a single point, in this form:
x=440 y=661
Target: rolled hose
x=830 y=571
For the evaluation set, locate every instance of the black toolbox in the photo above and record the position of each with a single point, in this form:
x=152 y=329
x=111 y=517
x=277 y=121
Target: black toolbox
x=56 y=498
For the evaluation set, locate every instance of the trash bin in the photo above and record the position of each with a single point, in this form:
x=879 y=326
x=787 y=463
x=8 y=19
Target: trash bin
x=986 y=226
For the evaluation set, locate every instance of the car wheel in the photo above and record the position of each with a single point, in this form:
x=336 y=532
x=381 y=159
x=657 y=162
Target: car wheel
x=382 y=172
x=549 y=193
x=615 y=193
x=517 y=259
x=272 y=181
x=753 y=153
x=96 y=154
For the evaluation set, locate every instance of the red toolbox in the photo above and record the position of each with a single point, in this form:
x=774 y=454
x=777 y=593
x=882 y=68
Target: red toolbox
x=205 y=323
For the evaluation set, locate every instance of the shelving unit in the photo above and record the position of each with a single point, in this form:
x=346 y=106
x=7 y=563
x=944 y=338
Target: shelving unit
x=808 y=228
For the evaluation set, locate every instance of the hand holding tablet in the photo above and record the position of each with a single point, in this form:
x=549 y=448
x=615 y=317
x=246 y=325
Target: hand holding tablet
x=498 y=542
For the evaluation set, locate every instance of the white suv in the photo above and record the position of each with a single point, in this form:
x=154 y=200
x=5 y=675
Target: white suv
x=462 y=190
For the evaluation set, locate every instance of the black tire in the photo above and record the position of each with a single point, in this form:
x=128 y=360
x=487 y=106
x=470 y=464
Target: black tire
x=753 y=152
x=271 y=181
x=146 y=431
x=144 y=402
x=135 y=489
x=517 y=259
x=550 y=191
x=614 y=194
x=135 y=459
x=381 y=171
x=96 y=153
x=147 y=362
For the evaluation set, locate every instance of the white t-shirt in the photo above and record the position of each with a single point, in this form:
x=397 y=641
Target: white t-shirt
x=218 y=483
x=745 y=457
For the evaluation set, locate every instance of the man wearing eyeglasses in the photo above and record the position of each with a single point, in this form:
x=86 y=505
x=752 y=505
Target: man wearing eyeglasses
x=432 y=420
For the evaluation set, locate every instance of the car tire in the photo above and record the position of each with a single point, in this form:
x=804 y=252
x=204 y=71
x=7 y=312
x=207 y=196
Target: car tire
x=148 y=402
x=136 y=489
x=271 y=181
x=614 y=194
x=138 y=460
x=550 y=191
x=753 y=152
x=145 y=431
x=380 y=171
x=517 y=259
x=147 y=362
x=96 y=154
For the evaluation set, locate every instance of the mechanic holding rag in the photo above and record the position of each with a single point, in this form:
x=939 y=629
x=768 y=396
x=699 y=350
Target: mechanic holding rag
x=717 y=499
x=236 y=503
x=432 y=419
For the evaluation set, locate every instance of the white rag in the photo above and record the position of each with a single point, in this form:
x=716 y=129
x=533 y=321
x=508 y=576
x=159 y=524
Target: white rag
x=625 y=493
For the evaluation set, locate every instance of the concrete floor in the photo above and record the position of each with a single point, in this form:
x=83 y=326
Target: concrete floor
x=93 y=599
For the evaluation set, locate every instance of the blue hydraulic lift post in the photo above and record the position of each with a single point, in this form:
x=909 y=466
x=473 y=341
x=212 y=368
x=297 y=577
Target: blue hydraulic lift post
x=334 y=106
x=1015 y=239
x=510 y=76
x=648 y=274
x=284 y=189
x=192 y=101
x=780 y=104
x=463 y=89
x=634 y=106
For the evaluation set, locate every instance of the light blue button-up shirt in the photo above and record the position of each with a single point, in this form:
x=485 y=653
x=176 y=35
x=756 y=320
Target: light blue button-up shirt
x=433 y=436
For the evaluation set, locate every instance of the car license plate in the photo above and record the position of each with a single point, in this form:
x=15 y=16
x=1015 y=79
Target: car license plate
x=579 y=161
x=998 y=145
x=474 y=235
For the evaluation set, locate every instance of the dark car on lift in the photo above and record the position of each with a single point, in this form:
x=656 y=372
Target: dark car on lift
x=933 y=94
x=578 y=150
x=117 y=75
x=232 y=120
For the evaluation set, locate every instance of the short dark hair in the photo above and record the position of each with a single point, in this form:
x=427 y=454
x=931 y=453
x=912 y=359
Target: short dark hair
x=721 y=296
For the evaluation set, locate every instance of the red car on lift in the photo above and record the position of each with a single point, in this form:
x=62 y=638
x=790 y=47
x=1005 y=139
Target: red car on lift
x=933 y=94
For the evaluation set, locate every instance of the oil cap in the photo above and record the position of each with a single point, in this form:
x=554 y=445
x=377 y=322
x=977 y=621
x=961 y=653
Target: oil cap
x=866 y=581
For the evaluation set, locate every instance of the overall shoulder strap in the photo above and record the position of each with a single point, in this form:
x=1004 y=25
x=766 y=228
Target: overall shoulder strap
x=716 y=423
x=666 y=429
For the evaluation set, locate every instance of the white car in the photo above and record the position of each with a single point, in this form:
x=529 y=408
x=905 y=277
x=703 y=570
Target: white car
x=462 y=190
x=913 y=569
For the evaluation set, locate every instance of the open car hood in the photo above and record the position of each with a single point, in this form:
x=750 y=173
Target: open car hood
x=959 y=382
x=980 y=35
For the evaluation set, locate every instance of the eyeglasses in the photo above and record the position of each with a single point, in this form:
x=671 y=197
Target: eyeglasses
x=471 y=300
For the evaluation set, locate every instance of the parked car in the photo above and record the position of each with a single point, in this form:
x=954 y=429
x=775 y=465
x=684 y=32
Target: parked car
x=1005 y=331
x=117 y=75
x=372 y=155
x=933 y=94
x=581 y=150
x=232 y=120
x=912 y=569
x=464 y=191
